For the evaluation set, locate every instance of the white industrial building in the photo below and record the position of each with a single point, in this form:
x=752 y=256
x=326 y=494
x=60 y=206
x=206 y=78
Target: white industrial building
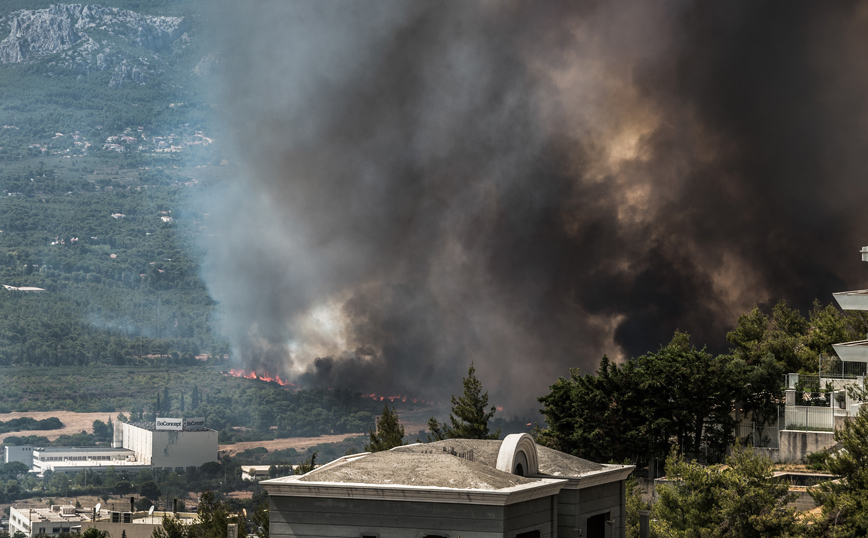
x=66 y=459
x=168 y=442
x=164 y=443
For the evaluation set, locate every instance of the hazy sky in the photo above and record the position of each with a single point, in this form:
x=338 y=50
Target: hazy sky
x=528 y=185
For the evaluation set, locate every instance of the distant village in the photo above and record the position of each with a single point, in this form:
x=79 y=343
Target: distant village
x=130 y=140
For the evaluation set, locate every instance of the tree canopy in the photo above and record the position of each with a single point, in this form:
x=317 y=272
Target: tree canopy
x=388 y=434
x=845 y=502
x=740 y=499
x=469 y=417
x=632 y=412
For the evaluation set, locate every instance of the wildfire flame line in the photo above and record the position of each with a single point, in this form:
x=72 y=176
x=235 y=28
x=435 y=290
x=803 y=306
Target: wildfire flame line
x=273 y=378
x=265 y=376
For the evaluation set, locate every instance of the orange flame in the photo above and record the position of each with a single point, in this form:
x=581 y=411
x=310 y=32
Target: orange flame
x=265 y=376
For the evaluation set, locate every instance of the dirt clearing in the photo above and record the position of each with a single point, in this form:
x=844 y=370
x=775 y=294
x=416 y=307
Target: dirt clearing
x=299 y=443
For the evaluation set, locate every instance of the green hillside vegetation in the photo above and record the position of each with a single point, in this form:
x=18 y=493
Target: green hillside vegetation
x=240 y=409
x=122 y=290
x=118 y=290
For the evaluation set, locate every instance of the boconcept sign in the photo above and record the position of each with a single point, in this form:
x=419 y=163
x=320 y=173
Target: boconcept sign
x=170 y=424
x=194 y=424
x=179 y=424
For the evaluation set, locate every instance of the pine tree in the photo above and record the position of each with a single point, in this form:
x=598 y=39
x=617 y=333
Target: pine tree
x=194 y=399
x=469 y=419
x=389 y=433
x=182 y=403
x=158 y=408
x=845 y=501
x=167 y=402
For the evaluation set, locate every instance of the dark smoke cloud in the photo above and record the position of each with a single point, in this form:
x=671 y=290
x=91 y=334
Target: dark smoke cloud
x=528 y=185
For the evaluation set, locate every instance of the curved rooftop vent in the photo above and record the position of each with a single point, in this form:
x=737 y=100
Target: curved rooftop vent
x=518 y=455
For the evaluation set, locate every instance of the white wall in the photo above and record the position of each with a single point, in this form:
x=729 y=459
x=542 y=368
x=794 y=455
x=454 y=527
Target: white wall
x=18 y=521
x=24 y=454
x=166 y=448
x=139 y=441
x=184 y=449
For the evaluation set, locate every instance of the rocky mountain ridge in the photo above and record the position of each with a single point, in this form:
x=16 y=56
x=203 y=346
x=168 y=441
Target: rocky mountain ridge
x=88 y=38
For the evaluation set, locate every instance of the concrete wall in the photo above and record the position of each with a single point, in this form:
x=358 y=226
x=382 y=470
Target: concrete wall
x=353 y=518
x=140 y=441
x=24 y=454
x=804 y=501
x=575 y=506
x=18 y=521
x=167 y=448
x=183 y=448
x=537 y=514
x=795 y=445
x=133 y=530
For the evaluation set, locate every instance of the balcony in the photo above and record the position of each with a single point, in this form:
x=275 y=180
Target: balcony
x=856 y=351
x=852 y=300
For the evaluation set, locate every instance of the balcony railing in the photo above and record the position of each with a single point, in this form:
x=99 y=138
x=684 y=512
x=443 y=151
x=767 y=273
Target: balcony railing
x=808 y=418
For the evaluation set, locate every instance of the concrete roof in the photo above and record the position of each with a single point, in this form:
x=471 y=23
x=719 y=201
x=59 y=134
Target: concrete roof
x=551 y=462
x=417 y=469
x=556 y=463
x=453 y=463
x=83 y=449
x=451 y=471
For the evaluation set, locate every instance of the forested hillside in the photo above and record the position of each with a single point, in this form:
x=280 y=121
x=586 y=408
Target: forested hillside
x=95 y=187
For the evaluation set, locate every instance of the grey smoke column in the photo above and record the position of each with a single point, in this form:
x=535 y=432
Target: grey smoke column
x=527 y=185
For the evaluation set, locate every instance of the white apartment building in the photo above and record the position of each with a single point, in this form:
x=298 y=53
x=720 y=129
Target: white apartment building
x=46 y=521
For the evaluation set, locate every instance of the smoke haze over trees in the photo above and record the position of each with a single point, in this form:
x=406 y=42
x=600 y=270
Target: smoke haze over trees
x=527 y=186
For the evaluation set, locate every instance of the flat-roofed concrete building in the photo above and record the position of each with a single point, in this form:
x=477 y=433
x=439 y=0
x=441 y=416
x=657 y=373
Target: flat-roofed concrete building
x=73 y=459
x=135 y=524
x=59 y=519
x=457 y=487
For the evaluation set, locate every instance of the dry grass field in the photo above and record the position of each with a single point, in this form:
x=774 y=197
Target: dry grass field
x=72 y=422
x=76 y=422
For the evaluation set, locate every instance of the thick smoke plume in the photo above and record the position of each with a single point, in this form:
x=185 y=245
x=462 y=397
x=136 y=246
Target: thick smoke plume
x=528 y=185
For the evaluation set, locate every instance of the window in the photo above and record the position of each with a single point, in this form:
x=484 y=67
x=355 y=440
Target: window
x=55 y=530
x=597 y=525
x=528 y=534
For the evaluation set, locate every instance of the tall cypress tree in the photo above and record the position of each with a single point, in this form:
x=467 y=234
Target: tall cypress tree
x=469 y=418
x=389 y=433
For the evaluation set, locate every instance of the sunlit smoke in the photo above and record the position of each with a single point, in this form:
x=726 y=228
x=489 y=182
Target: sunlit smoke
x=526 y=185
